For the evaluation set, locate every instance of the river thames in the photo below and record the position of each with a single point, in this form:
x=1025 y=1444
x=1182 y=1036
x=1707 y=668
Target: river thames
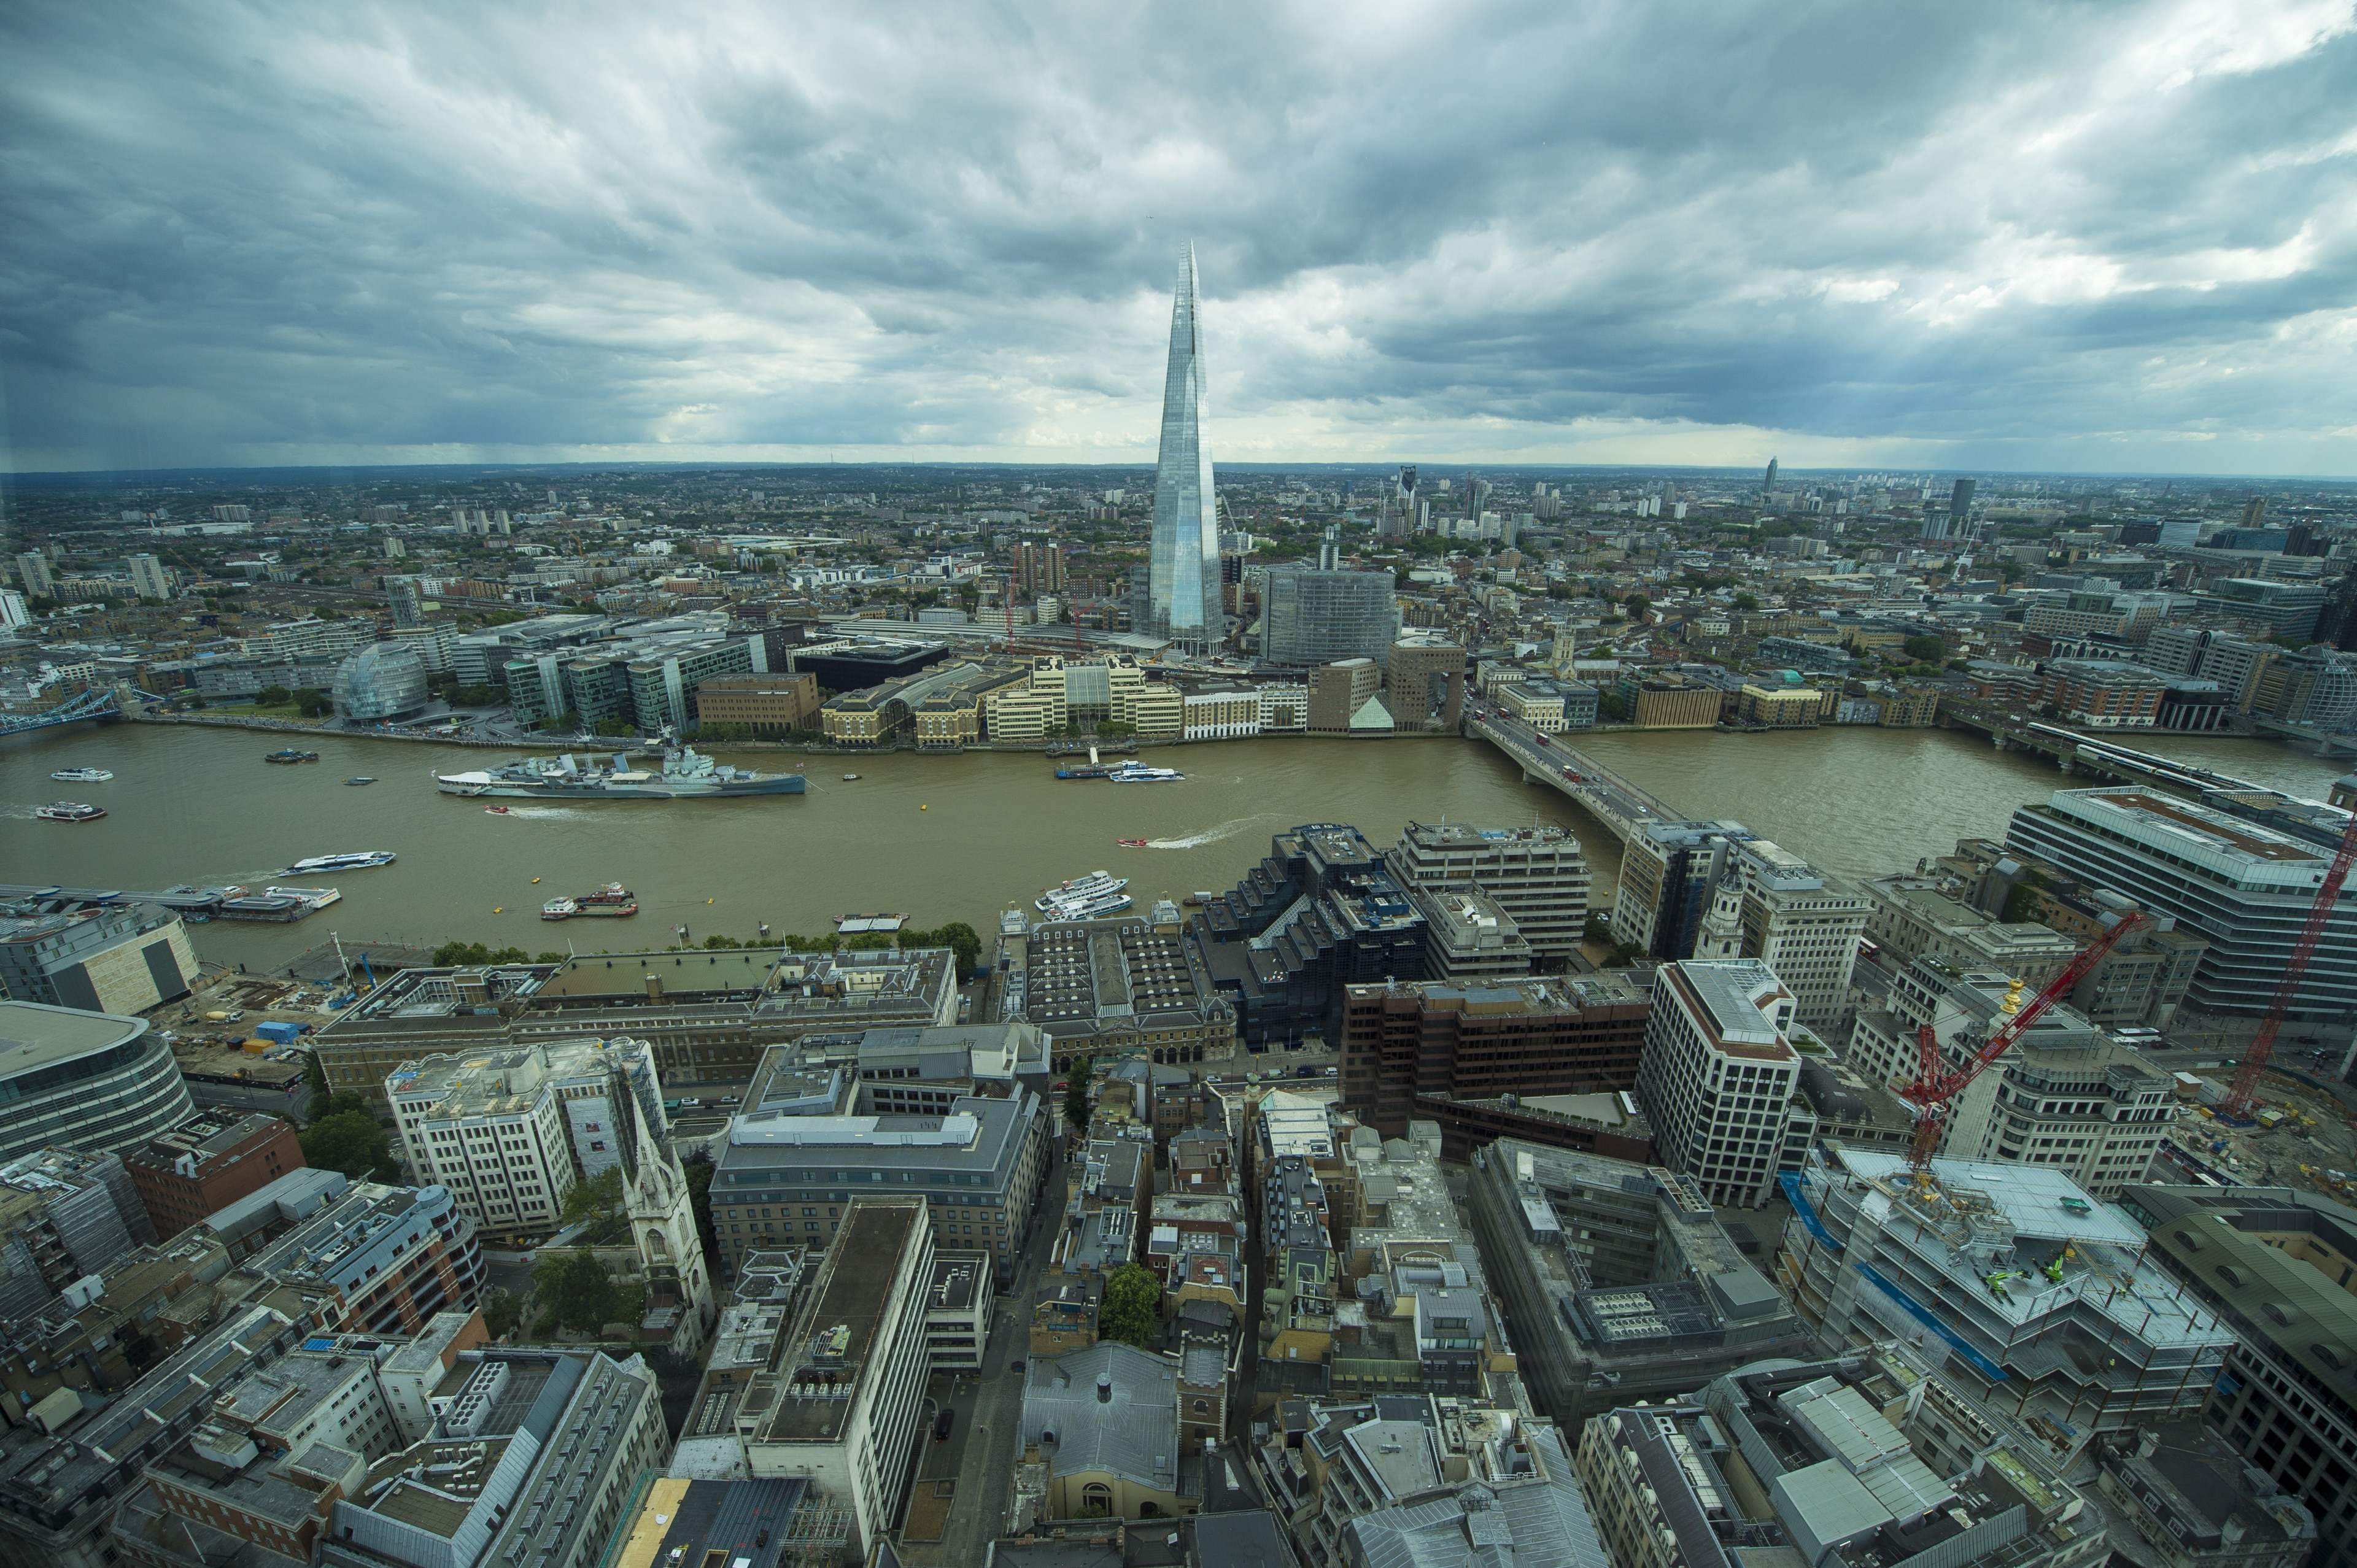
x=938 y=838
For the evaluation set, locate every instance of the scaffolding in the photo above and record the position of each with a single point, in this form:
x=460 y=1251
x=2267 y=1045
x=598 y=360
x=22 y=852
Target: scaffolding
x=818 y=1534
x=2046 y=1298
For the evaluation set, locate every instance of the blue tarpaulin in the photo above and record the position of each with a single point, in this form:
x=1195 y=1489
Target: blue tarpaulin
x=1791 y=1182
x=1923 y=1315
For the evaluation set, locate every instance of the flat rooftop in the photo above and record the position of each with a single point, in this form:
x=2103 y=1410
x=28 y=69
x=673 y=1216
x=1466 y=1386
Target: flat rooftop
x=34 y=1036
x=438 y=1503
x=1722 y=992
x=2215 y=829
x=956 y=1282
x=683 y=1521
x=855 y=1285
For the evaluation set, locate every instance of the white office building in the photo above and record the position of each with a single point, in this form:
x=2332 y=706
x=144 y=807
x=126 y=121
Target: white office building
x=1800 y=924
x=2066 y=1095
x=2243 y=885
x=1717 y=1076
x=590 y=1077
x=1539 y=875
x=850 y=1381
x=492 y=1128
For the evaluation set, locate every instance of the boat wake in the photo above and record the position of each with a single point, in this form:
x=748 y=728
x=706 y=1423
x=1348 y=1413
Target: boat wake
x=1210 y=836
x=18 y=813
x=544 y=813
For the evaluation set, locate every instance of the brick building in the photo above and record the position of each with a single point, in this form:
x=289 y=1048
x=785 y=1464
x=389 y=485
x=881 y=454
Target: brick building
x=767 y=704
x=186 y=1176
x=2103 y=692
x=1423 y=685
x=1538 y=1036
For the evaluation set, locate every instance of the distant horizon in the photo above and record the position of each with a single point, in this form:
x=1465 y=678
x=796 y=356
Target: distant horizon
x=1442 y=469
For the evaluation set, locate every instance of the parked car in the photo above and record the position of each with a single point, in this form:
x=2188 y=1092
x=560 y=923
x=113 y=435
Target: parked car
x=943 y=1423
x=1015 y=1367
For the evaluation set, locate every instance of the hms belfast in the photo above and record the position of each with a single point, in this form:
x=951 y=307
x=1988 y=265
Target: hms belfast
x=686 y=775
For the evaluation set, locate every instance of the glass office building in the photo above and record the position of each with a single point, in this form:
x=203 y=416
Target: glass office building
x=1310 y=618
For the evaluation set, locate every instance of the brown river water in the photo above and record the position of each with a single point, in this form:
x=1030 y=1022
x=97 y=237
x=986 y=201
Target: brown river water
x=937 y=838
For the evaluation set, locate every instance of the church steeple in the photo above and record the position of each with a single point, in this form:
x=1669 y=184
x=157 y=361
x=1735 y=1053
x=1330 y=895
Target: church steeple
x=663 y=1223
x=1721 y=935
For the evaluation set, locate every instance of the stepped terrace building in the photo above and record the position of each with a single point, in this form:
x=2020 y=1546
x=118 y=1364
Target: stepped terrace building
x=1538 y=875
x=1319 y=913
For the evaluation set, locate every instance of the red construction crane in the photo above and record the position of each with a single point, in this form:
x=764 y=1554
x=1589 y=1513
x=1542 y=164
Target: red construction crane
x=2263 y=1044
x=1936 y=1086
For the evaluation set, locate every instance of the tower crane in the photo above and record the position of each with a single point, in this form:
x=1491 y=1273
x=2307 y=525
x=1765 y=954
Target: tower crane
x=2263 y=1044
x=1936 y=1086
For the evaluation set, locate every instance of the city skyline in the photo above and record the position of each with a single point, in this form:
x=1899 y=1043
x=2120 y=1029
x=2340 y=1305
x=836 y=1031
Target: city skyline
x=2012 y=241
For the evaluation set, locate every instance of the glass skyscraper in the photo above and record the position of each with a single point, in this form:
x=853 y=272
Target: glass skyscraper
x=1183 y=572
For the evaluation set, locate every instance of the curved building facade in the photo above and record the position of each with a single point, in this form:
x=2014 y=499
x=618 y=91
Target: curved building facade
x=95 y=1082
x=382 y=681
x=1311 y=617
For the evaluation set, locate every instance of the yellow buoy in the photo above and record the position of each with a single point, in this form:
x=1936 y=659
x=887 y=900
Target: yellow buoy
x=707 y=900
x=924 y=808
x=497 y=911
x=535 y=882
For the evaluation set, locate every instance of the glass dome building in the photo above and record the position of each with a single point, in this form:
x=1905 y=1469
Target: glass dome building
x=382 y=681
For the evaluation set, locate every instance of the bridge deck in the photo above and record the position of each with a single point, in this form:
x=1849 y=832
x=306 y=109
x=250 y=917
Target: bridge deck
x=1602 y=793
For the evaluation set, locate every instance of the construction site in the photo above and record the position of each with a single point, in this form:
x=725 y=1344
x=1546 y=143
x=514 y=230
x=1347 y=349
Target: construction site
x=2298 y=1135
x=2021 y=1291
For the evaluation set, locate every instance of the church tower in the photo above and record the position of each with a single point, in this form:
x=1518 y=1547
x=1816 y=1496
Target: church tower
x=1721 y=936
x=663 y=1221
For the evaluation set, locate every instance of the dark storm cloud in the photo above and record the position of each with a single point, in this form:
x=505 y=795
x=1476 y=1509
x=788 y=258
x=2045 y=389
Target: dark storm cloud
x=2027 y=235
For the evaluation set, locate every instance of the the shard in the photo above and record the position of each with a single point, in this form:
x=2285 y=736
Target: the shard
x=1183 y=574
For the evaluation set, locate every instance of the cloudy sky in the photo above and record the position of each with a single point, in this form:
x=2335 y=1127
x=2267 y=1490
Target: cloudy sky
x=2076 y=236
